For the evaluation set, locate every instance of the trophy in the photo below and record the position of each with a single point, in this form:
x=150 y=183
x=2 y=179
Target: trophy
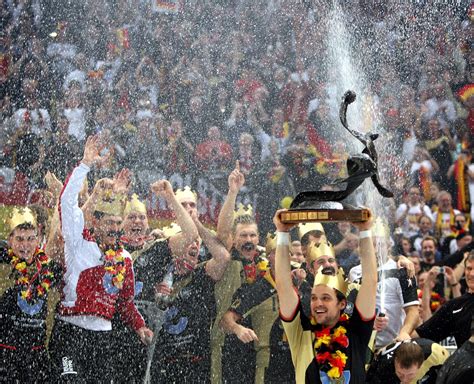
x=328 y=206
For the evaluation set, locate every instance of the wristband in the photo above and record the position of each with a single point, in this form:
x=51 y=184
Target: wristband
x=453 y=285
x=283 y=238
x=365 y=234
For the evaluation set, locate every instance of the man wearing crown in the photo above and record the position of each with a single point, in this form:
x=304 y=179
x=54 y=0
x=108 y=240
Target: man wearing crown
x=135 y=235
x=253 y=317
x=246 y=256
x=329 y=346
x=319 y=256
x=98 y=281
x=26 y=278
x=183 y=346
x=151 y=260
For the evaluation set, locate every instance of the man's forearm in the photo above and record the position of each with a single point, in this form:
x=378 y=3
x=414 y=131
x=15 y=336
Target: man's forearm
x=215 y=267
x=188 y=228
x=226 y=217
x=287 y=295
x=412 y=319
x=229 y=323
x=365 y=301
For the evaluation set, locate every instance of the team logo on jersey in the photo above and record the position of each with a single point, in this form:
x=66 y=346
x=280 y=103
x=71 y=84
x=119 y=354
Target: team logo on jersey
x=138 y=288
x=109 y=287
x=29 y=309
x=344 y=379
x=174 y=328
x=68 y=366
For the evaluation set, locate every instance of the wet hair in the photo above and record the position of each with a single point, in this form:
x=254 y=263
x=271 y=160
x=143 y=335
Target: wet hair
x=244 y=220
x=24 y=227
x=409 y=354
x=305 y=238
x=340 y=296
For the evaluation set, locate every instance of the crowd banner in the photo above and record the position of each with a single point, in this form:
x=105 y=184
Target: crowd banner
x=211 y=193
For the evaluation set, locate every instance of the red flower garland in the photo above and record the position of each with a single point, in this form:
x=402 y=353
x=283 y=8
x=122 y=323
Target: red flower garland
x=115 y=266
x=33 y=287
x=329 y=348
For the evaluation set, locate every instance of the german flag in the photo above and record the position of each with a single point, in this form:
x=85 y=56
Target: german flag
x=466 y=92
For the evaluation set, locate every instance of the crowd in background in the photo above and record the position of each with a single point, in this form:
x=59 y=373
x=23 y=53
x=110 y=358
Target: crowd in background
x=190 y=92
x=186 y=93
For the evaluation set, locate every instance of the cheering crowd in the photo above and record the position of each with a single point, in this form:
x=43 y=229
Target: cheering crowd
x=130 y=137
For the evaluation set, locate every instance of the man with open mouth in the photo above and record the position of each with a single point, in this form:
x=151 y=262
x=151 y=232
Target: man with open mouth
x=185 y=289
x=330 y=345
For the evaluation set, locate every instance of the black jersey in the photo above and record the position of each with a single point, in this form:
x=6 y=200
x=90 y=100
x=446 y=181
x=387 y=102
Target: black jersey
x=459 y=367
x=451 y=319
x=186 y=331
x=23 y=324
x=301 y=338
x=382 y=368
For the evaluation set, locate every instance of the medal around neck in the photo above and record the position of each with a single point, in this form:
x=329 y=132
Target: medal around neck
x=328 y=206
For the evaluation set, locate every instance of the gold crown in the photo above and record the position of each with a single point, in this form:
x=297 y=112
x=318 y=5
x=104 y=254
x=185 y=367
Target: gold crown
x=304 y=228
x=381 y=229
x=271 y=243
x=242 y=210
x=134 y=205
x=171 y=230
x=315 y=251
x=110 y=204
x=332 y=281
x=19 y=216
x=186 y=194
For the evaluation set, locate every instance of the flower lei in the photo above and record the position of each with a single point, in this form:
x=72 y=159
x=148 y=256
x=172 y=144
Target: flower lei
x=35 y=287
x=254 y=269
x=330 y=345
x=115 y=265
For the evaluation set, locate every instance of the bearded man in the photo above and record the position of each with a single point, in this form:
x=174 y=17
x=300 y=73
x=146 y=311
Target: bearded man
x=98 y=281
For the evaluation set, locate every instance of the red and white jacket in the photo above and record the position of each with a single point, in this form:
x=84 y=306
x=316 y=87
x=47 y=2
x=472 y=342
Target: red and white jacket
x=85 y=300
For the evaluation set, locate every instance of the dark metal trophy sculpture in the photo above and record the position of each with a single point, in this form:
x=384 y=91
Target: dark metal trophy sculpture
x=327 y=205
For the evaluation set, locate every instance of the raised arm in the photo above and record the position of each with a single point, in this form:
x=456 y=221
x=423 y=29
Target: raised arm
x=189 y=233
x=89 y=206
x=412 y=319
x=365 y=301
x=54 y=244
x=215 y=267
x=226 y=216
x=287 y=295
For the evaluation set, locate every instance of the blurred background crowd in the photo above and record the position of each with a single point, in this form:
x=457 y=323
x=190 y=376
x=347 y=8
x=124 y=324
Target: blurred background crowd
x=186 y=89
x=183 y=89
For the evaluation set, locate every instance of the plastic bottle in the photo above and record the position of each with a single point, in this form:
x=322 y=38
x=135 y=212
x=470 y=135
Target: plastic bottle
x=168 y=280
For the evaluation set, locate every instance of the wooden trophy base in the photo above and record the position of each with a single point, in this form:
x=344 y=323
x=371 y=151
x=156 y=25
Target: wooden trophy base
x=324 y=215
